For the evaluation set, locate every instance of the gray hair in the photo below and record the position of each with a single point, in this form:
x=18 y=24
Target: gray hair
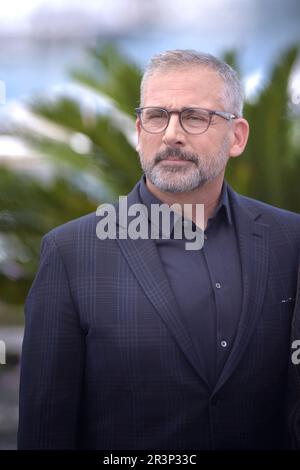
x=183 y=58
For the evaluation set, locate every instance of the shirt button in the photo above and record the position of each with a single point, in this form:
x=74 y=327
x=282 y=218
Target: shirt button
x=223 y=343
x=218 y=285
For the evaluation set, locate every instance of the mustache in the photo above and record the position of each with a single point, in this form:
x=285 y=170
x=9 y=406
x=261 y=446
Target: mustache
x=176 y=153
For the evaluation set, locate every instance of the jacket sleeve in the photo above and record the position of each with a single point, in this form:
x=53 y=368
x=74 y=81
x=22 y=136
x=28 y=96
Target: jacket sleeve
x=293 y=398
x=52 y=360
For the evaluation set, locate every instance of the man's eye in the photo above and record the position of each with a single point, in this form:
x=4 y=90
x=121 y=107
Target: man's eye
x=196 y=117
x=155 y=115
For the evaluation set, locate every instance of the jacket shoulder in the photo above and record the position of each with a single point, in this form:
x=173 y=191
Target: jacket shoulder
x=268 y=213
x=83 y=228
x=80 y=228
x=268 y=210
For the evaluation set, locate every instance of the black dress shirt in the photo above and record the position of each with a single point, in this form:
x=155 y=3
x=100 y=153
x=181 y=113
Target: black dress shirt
x=207 y=284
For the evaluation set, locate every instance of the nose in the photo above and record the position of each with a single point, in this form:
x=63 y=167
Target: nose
x=174 y=135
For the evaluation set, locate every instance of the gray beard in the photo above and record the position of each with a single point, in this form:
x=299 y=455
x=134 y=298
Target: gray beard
x=186 y=178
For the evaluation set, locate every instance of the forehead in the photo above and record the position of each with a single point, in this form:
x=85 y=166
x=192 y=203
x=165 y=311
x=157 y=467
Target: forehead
x=196 y=86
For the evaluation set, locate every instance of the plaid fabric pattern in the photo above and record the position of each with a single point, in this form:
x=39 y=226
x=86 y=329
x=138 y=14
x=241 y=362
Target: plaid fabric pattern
x=108 y=364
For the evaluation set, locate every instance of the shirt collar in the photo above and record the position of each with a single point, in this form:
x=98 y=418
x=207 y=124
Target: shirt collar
x=148 y=198
x=224 y=204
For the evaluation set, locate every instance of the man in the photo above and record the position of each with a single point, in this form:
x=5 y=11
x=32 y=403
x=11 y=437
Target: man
x=135 y=343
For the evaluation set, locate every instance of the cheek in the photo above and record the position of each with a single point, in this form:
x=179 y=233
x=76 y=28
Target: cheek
x=149 y=145
x=209 y=144
x=202 y=145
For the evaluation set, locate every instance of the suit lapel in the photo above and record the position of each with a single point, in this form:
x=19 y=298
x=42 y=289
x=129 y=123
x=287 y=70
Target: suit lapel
x=253 y=239
x=143 y=259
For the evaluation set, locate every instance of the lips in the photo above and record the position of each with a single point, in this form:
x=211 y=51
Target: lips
x=175 y=160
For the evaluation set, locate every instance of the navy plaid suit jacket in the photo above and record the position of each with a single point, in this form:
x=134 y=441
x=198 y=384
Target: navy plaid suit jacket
x=108 y=364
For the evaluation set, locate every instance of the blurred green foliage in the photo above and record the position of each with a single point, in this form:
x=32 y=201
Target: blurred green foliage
x=269 y=169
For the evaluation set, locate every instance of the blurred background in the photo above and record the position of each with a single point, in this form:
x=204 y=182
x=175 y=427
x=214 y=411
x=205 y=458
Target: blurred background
x=69 y=81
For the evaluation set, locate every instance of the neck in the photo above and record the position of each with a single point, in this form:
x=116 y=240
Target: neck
x=208 y=195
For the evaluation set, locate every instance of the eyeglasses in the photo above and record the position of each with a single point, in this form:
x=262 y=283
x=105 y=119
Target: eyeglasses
x=192 y=120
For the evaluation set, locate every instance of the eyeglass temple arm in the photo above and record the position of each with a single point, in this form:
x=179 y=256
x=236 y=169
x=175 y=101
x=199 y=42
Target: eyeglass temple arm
x=225 y=115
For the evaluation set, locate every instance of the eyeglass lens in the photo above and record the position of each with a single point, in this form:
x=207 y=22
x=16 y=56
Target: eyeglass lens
x=192 y=120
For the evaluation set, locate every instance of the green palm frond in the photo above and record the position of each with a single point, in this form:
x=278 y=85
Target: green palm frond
x=268 y=170
x=114 y=75
x=270 y=163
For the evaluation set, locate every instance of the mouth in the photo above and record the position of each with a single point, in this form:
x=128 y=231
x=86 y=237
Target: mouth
x=174 y=161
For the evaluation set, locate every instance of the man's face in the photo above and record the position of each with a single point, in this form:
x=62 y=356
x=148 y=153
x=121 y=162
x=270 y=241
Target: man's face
x=174 y=160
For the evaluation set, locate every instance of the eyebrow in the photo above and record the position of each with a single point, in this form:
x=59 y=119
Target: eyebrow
x=188 y=106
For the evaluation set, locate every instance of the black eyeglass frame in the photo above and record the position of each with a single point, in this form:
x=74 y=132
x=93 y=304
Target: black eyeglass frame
x=223 y=114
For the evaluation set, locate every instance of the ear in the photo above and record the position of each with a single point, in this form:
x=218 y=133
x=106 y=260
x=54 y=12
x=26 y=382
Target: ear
x=240 y=135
